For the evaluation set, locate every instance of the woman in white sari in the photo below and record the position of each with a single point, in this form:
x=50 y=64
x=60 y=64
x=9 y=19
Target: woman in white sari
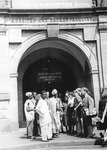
x=29 y=113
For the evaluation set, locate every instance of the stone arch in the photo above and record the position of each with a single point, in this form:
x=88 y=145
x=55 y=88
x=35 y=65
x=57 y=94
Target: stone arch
x=15 y=61
x=24 y=48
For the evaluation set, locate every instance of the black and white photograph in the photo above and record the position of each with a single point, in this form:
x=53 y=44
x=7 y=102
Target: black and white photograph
x=53 y=74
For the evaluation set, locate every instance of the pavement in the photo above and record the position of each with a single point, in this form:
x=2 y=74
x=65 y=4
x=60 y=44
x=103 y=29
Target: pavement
x=18 y=141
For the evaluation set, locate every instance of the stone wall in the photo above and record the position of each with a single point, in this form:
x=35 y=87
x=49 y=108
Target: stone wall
x=102 y=3
x=5 y=3
x=43 y=4
x=2 y=3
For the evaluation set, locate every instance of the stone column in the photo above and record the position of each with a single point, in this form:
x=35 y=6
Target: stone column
x=13 y=106
x=96 y=88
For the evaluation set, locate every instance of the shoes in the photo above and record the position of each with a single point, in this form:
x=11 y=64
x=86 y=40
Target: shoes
x=45 y=140
x=79 y=135
x=90 y=137
x=29 y=137
x=50 y=139
x=101 y=134
x=33 y=137
x=55 y=135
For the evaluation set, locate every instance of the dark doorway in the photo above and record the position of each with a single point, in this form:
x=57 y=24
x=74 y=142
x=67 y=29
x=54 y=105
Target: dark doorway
x=47 y=74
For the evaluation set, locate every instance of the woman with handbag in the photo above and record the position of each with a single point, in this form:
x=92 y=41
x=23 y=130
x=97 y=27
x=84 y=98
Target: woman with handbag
x=71 y=112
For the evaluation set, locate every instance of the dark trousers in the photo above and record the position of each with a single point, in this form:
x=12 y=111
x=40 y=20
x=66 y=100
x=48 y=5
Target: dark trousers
x=79 y=127
x=87 y=125
x=35 y=128
x=70 y=119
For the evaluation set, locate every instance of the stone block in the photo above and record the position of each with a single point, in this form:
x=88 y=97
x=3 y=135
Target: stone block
x=90 y=33
x=53 y=30
x=2 y=3
x=15 y=35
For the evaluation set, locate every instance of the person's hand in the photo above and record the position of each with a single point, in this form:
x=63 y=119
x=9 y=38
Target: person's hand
x=102 y=120
x=75 y=109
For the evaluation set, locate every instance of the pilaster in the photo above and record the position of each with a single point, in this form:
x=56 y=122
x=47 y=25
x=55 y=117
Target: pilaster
x=103 y=39
x=96 y=88
x=13 y=105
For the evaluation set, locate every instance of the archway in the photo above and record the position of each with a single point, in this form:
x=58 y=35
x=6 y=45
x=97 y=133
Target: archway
x=65 y=46
x=23 y=49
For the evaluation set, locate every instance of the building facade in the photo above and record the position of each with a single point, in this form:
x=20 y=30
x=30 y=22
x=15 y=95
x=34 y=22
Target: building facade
x=48 y=44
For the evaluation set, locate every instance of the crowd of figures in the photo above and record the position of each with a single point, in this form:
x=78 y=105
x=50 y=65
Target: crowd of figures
x=49 y=116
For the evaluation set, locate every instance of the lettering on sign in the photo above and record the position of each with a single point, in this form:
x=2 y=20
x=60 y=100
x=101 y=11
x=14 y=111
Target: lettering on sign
x=49 y=76
x=48 y=19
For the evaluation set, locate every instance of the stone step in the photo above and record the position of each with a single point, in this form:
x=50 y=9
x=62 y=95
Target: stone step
x=74 y=143
x=18 y=141
x=81 y=147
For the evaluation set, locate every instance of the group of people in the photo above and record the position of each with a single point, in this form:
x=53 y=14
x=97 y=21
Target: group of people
x=42 y=115
x=48 y=116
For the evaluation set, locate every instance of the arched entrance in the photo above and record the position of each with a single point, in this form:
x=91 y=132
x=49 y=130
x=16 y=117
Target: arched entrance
x=66 y=52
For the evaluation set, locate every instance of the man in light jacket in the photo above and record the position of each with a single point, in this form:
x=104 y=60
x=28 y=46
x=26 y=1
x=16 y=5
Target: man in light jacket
x=44 y=119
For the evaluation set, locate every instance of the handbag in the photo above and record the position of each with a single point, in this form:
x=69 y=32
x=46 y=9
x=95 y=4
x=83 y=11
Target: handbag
x=100 y=125
x=87 y=113
x=74 y=118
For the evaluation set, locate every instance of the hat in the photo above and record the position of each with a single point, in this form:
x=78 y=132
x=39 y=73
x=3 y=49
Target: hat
x=72 y=94
x=67 y=94
x=28 y=94
x=54 y=92
x=78 y=90
x=44 y=92
x=85 y=89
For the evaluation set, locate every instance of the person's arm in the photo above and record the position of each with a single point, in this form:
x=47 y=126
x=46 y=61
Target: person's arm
x=104 y=113
x=91 y=105
x=80 y=103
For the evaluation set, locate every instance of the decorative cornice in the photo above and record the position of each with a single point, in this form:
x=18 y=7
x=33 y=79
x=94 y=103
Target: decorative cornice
x=96 y=10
